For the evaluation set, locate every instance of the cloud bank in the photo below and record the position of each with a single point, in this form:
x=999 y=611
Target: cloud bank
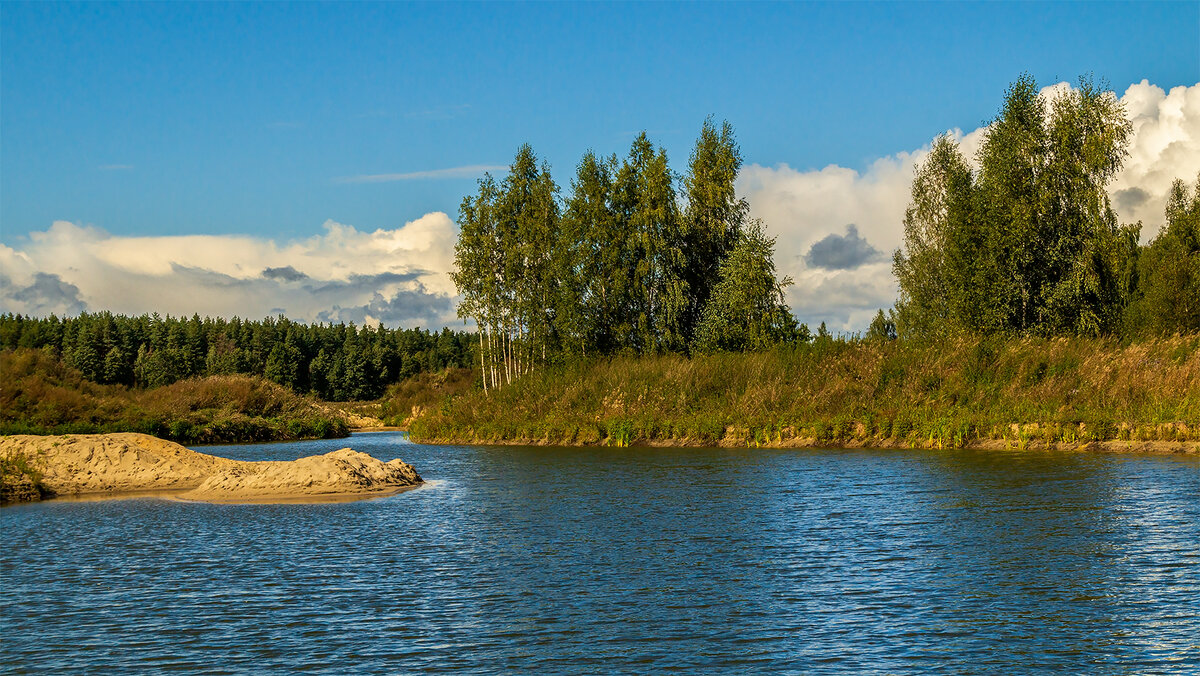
x=838 y=283
x=396 y=277
x=836 y=228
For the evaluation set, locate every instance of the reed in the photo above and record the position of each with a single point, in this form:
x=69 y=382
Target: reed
x=1022 y=392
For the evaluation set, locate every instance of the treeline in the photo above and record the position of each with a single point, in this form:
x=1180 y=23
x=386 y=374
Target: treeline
x=624 y=264
x=42 y=395
x=1028 y=243
x=336 y=362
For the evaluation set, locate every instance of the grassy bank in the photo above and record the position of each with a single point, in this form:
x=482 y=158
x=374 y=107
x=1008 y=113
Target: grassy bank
x=965 y=392
x=40 y=395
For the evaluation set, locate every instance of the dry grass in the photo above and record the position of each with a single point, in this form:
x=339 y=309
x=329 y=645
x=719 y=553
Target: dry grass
x=948 y=394
x=406 y=400
x=39 y=395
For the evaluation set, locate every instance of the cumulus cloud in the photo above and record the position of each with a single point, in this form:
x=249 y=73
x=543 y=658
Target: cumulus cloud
x=842 y=252
x=396 y=277
x=1166 y=146
x=806 y=208
x=44 y=295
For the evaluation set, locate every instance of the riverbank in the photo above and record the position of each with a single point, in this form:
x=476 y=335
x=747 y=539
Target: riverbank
x=40 y=395
x=36 y=467
x=1083 y=394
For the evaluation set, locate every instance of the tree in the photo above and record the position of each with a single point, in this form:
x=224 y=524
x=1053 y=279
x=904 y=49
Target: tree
x=527 y=222
x=1087 y=136
x=746 y=310
x=1029 y=244
x=932 y=268
x=283 y=365
x=1167 y=299
x=590 y=261
x=117 y=368
x=478 y=269
x=883 y=327
x=714 y=216
x=645 y=201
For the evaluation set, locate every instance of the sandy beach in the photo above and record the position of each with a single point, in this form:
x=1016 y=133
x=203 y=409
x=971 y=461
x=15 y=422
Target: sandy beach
x=97 y=464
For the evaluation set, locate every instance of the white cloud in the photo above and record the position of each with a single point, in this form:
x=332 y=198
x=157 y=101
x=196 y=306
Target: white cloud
x=398 y=277
x=1166 y=146
x=454 y=172
x=802 y=207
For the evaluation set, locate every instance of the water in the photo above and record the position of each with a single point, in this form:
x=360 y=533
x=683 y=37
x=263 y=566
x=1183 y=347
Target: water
x=619 y=560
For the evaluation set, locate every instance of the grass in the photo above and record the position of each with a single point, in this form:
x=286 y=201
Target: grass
x=20 y=479
x=1018 y=392
x=407 y=400
x=40 y=395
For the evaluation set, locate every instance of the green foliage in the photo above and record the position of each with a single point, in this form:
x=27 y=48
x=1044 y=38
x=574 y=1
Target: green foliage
x=933 y=268
x=714 y=216
x=619 y=267
x=1167 y=298
x=20 y=479
x=42 y=395
x=1029 y=244
x=423 y=392
x=747 y=310
x=335 y=362
x=883 y=327
x=944 y=393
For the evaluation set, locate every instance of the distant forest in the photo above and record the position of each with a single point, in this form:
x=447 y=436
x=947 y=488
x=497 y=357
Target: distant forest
x=336 y=362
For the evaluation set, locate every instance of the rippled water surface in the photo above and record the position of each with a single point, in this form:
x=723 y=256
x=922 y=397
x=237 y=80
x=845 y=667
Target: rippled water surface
x=583 y=560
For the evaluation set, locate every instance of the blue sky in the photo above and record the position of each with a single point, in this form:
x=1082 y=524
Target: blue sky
x=157 y=119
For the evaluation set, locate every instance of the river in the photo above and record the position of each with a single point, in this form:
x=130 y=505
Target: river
x=516 y=559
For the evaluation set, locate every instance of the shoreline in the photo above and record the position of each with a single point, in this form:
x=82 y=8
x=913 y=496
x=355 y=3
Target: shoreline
x=380 y=428
x=105 y=466
x=1111 y=446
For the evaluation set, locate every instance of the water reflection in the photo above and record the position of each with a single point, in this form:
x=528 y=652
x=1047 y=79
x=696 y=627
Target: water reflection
x=545 y=559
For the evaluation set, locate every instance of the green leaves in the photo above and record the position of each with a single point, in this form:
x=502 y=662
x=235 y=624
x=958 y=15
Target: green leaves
x=746 y=310
x=1029 y=243
x=619 y=266
x=1167 y=297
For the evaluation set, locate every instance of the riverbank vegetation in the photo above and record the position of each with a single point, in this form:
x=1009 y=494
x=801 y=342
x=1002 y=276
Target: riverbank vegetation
x=871 y=392
x=1026 y=310
x=39 y=394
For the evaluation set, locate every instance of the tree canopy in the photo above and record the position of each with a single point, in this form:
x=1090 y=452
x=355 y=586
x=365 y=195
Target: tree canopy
x=632 y=260
x=1028 y=243
x=336 y=362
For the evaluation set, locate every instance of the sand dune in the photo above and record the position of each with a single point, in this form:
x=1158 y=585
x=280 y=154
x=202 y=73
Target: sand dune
x=115 y=463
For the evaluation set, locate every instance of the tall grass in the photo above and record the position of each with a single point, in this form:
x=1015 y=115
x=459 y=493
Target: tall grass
x=830 y=392
x=408 y=399
x=40 y=395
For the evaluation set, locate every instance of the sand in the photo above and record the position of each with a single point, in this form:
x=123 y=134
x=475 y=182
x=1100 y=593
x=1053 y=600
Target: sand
x=89 y=464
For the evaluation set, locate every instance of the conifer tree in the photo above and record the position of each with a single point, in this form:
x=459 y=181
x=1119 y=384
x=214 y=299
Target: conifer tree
x=714 y=215
x=747 y=310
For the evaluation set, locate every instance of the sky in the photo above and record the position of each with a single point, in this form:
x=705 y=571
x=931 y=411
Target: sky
x=309 y=158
